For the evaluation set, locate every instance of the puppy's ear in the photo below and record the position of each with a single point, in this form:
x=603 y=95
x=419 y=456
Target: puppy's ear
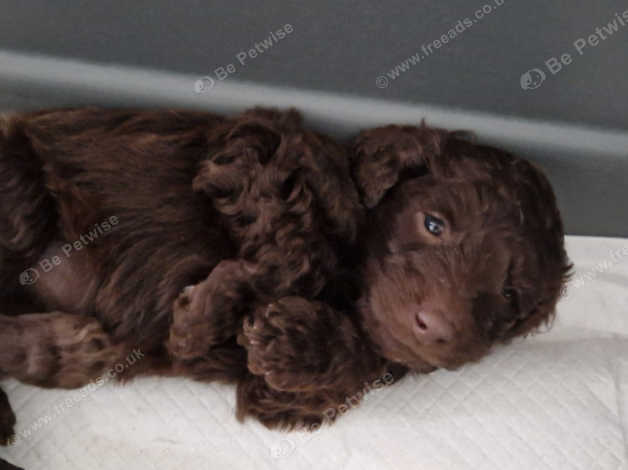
x=543 y=229
x=382 y=154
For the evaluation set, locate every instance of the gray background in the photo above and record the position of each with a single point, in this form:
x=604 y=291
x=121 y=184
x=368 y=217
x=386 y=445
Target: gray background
x=341 y=47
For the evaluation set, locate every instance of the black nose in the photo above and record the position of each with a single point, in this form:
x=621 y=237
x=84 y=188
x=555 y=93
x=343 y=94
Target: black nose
x=432 y=326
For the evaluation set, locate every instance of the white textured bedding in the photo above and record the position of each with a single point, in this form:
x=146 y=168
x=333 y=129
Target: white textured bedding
x=558 y=400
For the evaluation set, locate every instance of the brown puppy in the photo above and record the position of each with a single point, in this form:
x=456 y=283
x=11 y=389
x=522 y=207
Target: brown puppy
x=250 y=250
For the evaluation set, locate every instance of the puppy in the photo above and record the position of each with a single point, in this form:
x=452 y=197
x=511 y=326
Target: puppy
x=252 y=251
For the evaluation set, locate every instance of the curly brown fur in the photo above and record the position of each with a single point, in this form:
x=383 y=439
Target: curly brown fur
x=253 y=251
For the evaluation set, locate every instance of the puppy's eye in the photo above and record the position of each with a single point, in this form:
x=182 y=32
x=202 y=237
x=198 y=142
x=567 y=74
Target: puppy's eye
x=434 y=225
x=509 y=294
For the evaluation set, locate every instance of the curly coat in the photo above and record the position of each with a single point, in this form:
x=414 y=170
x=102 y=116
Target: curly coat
x=252 y=251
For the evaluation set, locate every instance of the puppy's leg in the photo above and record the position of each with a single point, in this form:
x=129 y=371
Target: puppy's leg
x=55 y=349
x=51 y=350
x=309 y=364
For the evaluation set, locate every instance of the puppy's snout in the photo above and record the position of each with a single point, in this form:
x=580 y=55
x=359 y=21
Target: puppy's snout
x=432 y=326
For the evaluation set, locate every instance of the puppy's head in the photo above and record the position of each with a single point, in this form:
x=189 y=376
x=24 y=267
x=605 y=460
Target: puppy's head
x=465 y=251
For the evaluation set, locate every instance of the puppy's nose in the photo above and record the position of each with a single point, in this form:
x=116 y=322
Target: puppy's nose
x=433 y=327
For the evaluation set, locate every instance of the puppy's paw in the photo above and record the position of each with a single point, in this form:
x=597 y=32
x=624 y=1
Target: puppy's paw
x=207 y=314
x=284 y=346
x=7 y=421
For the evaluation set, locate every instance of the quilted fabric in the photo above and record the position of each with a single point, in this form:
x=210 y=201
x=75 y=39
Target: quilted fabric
x=558 y=400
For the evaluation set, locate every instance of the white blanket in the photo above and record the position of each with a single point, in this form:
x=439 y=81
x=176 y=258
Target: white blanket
x=558 y=400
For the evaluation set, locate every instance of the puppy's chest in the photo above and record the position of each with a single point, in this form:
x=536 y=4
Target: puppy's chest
x=64 y=277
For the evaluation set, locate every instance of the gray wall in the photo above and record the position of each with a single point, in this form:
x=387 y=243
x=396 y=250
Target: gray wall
x=574 y=124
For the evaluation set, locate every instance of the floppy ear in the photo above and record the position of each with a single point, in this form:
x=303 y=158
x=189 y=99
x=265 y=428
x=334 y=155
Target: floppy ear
x=543 y=228
x=381 y=155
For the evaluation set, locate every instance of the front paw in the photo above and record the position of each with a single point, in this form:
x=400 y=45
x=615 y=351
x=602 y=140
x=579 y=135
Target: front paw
x=284 y=344
x=207 y=314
